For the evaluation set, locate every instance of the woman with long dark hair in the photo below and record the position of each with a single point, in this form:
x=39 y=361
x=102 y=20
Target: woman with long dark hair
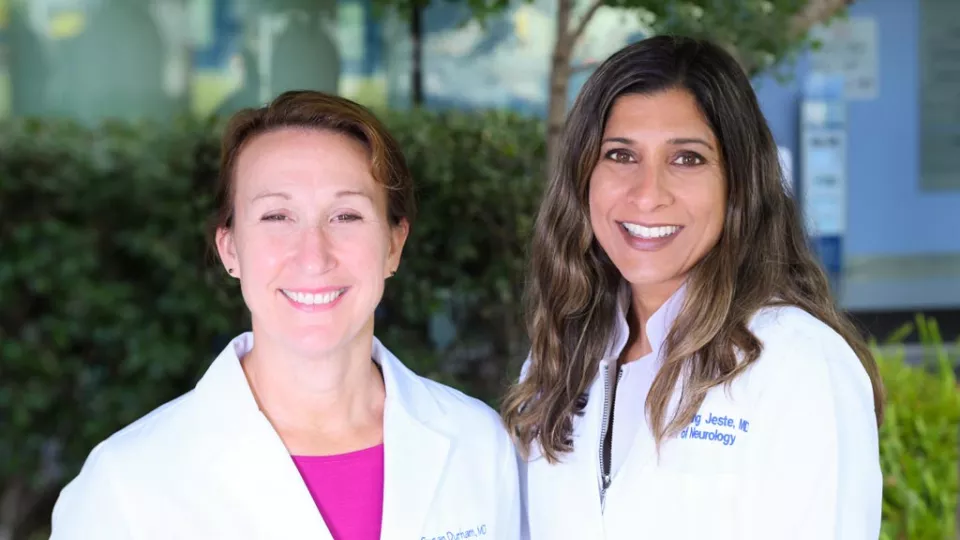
x=690 y=375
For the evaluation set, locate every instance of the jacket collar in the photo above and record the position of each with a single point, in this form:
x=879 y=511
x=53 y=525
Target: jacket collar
x=642 y=449
x=416 y=434
x=658 y=327
x=224 y=386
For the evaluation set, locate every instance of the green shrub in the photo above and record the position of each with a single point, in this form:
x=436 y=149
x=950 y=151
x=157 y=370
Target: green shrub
x=919 y=439
x=107 y=307
x=479 y=181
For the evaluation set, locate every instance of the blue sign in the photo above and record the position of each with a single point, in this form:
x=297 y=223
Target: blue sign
x=823 y=157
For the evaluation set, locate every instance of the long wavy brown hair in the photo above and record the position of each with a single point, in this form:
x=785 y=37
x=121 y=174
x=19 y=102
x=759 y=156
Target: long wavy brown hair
x=762 y=257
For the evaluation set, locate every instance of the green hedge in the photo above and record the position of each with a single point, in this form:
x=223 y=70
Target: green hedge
x=107 y=307
x=110 y=303
x=919 y=438
x=458 y=289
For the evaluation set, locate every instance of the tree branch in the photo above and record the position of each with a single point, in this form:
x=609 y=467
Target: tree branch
x=582 y=24
x=816 y=12
x=564 y=11
x=813 y=13
x=585 y=66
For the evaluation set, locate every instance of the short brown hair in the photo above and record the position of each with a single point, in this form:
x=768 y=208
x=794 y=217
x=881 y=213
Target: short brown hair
x=312 y=110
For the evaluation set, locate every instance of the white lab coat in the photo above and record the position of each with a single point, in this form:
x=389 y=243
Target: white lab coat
x=793 y=456
x=209 y=465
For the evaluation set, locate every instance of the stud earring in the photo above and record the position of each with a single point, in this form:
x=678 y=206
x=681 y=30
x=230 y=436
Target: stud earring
x=230 y=271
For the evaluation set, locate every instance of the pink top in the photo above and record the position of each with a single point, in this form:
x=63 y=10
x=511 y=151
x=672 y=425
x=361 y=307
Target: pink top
x=348 y=490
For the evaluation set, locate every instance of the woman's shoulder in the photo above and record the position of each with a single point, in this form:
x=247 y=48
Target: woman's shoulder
x=802 y=353
x=776 y=324
x=182 y=427
x=166 y=427
x=138 y=456
x=792 y=332
x=466 y=414
x=447 y=408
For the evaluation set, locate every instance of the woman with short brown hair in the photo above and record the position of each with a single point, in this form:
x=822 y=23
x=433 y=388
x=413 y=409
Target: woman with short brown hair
x=307 y=426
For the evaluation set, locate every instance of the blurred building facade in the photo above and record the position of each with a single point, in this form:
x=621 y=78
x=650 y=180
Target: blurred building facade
x=92 y=59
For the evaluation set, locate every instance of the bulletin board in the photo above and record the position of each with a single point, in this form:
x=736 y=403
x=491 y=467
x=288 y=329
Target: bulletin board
x=939 y=95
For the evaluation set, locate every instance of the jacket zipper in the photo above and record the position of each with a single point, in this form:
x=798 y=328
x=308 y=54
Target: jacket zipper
x=606 y=435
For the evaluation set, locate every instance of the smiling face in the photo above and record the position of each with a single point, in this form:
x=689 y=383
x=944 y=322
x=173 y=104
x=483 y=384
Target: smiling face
x=657 y=195
x=310 y=240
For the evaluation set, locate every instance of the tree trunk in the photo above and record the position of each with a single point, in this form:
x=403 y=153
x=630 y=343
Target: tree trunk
x=815 y=12
x=10 y=507
x=416 y=71
x=559 y=82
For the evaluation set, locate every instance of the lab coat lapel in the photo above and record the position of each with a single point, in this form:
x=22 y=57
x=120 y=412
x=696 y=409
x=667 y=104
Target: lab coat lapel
x=259 y=480
x=269 y=487
x=414 y=459
x=415 y=450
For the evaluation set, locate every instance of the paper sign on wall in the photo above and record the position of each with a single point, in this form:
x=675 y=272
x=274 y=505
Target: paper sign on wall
x=850 y=48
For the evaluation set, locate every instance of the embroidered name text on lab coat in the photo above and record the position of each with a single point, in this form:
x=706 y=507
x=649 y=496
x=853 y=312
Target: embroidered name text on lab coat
x=725 y=428
x=475 y=532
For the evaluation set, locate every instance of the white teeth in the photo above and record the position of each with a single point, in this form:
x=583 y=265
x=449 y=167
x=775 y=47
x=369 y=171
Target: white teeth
x=650 y=232
x=310 y=299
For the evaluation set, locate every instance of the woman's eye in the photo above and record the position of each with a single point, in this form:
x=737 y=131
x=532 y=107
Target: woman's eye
x=346 y=218
x=619 y=156
x=274 y=217
x=689 y=159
